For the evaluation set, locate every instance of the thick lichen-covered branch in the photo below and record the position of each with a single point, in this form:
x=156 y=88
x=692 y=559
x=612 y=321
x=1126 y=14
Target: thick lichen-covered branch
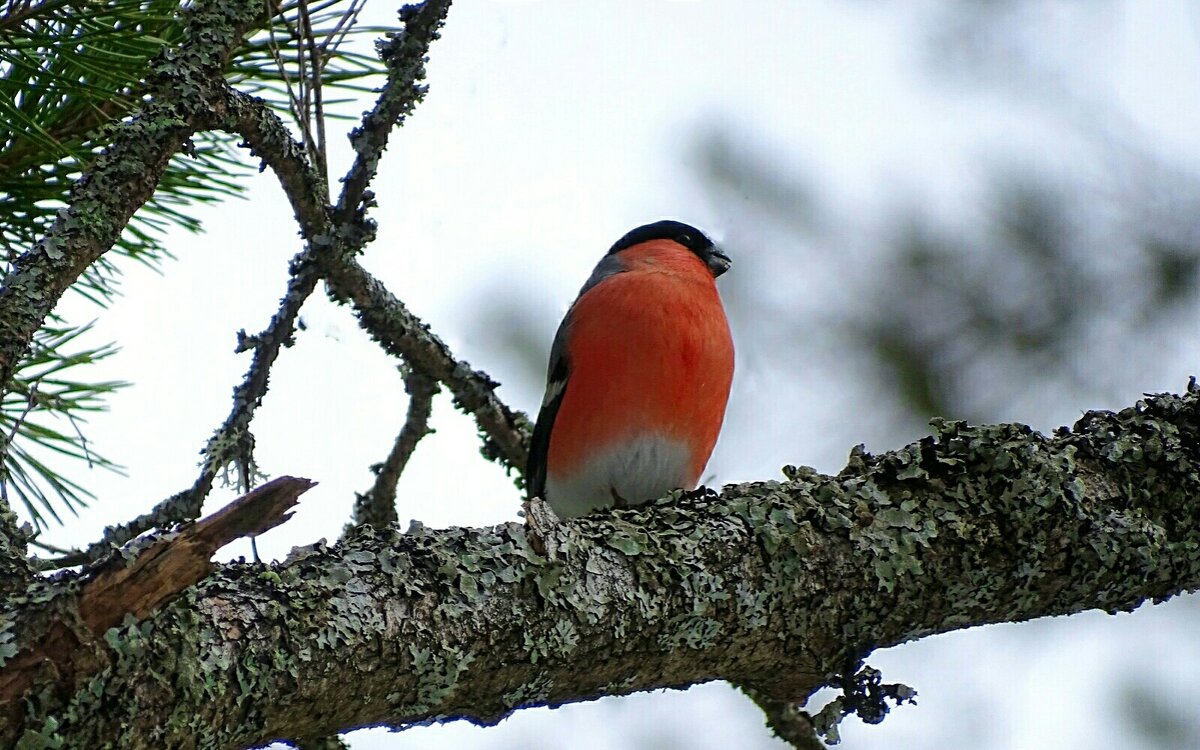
x=332 y=742
x=53 y=633
x=181 y=82
x=776 y=586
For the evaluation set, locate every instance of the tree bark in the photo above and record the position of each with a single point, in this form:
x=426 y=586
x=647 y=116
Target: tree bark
x=773 y=585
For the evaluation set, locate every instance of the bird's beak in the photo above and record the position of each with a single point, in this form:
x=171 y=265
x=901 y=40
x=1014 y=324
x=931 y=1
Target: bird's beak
x=718 y=262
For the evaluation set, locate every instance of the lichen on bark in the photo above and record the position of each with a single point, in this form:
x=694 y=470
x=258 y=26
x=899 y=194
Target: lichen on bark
x=774 y=585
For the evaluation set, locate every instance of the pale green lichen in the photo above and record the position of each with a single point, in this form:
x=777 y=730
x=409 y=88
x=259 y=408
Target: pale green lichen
x=760 y=584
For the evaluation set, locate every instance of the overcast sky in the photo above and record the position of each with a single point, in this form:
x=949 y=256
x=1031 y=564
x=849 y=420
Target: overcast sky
x=550 y=129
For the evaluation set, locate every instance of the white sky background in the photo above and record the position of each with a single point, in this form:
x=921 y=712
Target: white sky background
x=550 y=129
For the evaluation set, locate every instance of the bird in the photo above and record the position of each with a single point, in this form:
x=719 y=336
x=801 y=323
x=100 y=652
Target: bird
x=639 y=376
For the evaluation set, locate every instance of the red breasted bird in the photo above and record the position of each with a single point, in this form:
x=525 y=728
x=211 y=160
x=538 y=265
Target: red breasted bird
x=639 y=376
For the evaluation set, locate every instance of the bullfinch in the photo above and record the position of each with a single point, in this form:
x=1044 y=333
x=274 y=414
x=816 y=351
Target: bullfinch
x=639 y=375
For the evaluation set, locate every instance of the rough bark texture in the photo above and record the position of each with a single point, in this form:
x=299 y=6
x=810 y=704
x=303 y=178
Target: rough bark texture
x=177 y=561
x=57 y=631
x=773 y=585
x=16 y=569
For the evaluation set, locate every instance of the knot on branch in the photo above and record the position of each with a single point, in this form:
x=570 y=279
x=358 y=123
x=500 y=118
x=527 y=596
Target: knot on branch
x=541 y=526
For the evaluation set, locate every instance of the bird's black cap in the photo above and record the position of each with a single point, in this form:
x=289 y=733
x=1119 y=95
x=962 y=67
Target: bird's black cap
x=685 y=234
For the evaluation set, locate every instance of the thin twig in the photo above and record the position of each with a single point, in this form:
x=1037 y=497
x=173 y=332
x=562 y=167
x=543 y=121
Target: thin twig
x=268 y=137
x=314 y=107
x=295 y=105
x=504 y=431
x=303 y=76
x=83 y=443
x=66 y=558
x=30 y=401
x=329 y=46
x=52 y=548
x=404 y=55
x=337 y=35
x=377 y=506
x=332 y=742
x=232 y=441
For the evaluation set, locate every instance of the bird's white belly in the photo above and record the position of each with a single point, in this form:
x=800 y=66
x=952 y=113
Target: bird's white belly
x=637 y=471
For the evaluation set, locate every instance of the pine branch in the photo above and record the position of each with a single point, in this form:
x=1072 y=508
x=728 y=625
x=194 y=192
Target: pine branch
x=44 y=394
x=387 y=320
x=179 y=88
x=67 y=71
x=54 y=100
x=269 y=139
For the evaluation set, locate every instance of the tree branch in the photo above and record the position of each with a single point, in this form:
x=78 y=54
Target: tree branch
x=504 y=431
x=787 y=720
x=232 y=441
x=404 y=55
x=774 y=585
x=63 y=635
x=181 y=83
x=270 y=139
x=377 y=506
x=172 y=564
